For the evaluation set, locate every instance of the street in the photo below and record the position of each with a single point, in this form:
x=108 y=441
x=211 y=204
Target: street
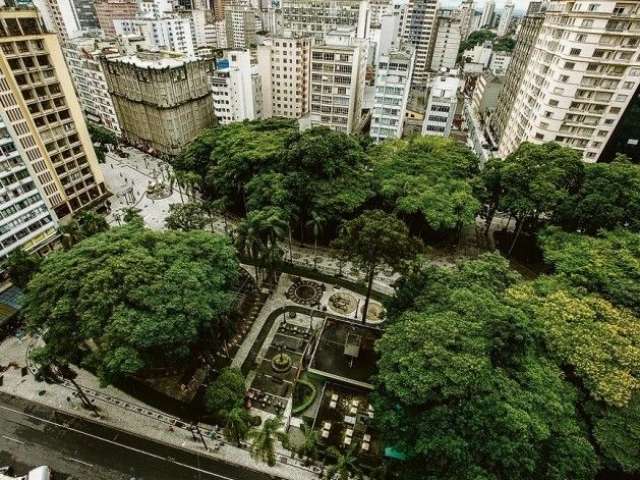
x=32 y=435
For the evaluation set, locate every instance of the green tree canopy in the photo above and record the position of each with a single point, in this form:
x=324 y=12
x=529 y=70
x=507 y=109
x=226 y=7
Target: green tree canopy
x=427 y=176
x=186 y=216
x=21 y=266
x=131 y=299
x=476 y=38
x=226 y=392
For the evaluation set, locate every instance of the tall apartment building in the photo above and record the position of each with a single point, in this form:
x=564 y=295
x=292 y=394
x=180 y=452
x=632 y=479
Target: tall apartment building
x=419 y=30
x=581 y=75
x=169 y=32
x=441 y=105
x=162 y=101
x=377 y=8
x=318 y=17
x=25 y=219
x=236 y=88
x=73 y=17
x=41 y=108
x=338 y=68
x=83 y=58
x=486 y=20
x=465 y=13
x=392 y=85
x=625 y=138
x=390 y=32
x=447 y=40
x=284 y=65
x=109 y=10
x=505 y=18
x=241 y=26
x=525 y=41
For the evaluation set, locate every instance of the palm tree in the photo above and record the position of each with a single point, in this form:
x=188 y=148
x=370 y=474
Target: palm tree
x=249 y=242
x=317 y=224
x=236 y=425
x=71 y=234
x=263 y=440
x=309 y=447
x=345 y=466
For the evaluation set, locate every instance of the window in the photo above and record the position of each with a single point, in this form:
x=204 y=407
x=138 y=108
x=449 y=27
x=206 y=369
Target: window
x=575 y=51
x=569 y=65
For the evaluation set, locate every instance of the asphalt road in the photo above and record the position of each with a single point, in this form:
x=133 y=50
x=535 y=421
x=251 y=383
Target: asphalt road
x=32 y=435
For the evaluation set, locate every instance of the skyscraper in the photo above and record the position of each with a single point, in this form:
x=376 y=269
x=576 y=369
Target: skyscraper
x=487 y=13
x=109 y=10
x=419 y=30
x=41 y=107
x=581 y=74
x=465 y=14
x=505 y=18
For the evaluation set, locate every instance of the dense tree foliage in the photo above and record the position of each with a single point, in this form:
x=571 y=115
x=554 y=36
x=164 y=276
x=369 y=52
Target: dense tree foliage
x=428 y=178
x=476 y=38
x=130 y=299
x=101 y=138
x=21 y=266
x=226 y=392
x=186 y=216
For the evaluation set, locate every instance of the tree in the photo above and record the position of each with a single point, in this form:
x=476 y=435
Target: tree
x=476 y=38
x=316 y=223
x=236 y=426
x=186 y=217
x=427 y=178
x=21 y=266
x=345 y=466
x=132 y=216
x=92 y=223
x=309 y=447
x=504 y=44
x=609 y=197
x=373 y=240
x=101 y=137
x=263 y=440
x=129 y=299
x=227 y=391
x=71 y=233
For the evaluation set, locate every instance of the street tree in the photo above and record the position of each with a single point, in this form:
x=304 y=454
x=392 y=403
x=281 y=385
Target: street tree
x=345 y=466
x=129 y=300
x=237 y=425
x=226 y=392
x=265 y=438
x=373 y=241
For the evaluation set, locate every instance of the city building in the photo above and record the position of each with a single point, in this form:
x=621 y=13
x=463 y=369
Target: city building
x=43 y=112
x=73 y=17
x=505 y=18
x=485 y=94
x=390 y=31
x=318 y=17
x=486 y=20
x=525 y=40
x=240 y=26
x=284 y=65
x=465 y=13
x=499 y=62
x=479 y=54
x=441 y=105
x=447 y=40
x=83 y=58
x=581 y=75
x=170 y=32
x=109 y=10
x=236 y=88
x=338 y=69
x=419 y=31
x=163 y=101
x=377 y=8
x=625 y=138
x=392 y=85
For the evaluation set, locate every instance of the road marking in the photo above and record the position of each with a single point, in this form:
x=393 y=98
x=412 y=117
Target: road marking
x=13 y=439
x=79 y=461
x=133 y=449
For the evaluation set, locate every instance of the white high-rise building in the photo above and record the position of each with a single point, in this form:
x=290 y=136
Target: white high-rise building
x=441 y=105
x=505 y=18
x=391 y=23
x=500 y=62
x=83 y=58
x=418 y=31
x=580 y=76
x=487 y=14
x=171 y=32
x=318 y=17
x=447 y=40
x=241 y=26
x=392 y=85
x=71 y=18
x=284 y=65
x=479 y=54
x=236 y=88
x=465 y=13
x=338 y=68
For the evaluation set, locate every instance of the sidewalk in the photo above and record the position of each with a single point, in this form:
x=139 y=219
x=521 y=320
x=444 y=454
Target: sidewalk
x=123 y=412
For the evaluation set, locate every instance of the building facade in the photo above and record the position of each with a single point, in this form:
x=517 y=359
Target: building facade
x=163 y=102
x=73 y=17
x=441 y=105
x=240 y=22
x=83 y=58
x=505 y=19
x=581 y=75
x=109 y=10
x=486 y=20
x=318 y=17
x=447 y=40
x=171 y=32
x=392 y=85
x=418 y=31
x=41 y=107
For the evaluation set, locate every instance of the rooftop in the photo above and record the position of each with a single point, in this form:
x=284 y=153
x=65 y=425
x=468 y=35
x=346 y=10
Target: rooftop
x=156 y=61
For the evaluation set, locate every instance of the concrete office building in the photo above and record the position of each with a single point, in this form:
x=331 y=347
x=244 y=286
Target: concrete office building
x=447 y=40
x=479 y=54
x=73 y=17
x=83 y=58
x=499 y=62
x=170 y=32
x=390 y=31
x=527 y=36
x=505 y=18
x=236 y=88
x=162 y=101
x=284 y=65
x=109 y=10
x=392 y=85
x=486 y=20
x=338 y=69
x=41 y=108
x=581 y=75
x=241 y=26
x=419 y=30
x=377 y=8
x=441 y=105
x=465 y=14
x=318 y=17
